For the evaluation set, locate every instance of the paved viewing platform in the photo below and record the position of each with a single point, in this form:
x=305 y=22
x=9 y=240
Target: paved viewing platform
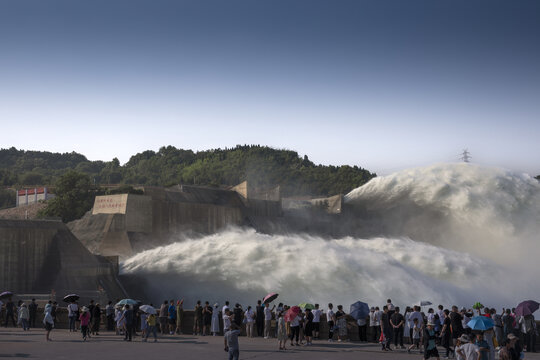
x=14 y=343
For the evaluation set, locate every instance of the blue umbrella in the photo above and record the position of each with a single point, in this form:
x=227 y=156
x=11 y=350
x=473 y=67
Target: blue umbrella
x=481 y=323
x=359 y=310
x=126 y=302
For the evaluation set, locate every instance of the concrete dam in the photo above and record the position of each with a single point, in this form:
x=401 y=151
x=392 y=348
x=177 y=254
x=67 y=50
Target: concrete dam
x=40 y=257
x=49 y=257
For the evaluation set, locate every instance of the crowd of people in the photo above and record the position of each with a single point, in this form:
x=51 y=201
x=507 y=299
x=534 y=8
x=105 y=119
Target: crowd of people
x=422 y=331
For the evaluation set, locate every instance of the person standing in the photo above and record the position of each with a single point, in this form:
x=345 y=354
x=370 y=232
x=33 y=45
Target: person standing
x=231 y=342
x=316 y=321
x=48 y=321
x=406 y=325
x=397 y=320
x=96 y=319
x=24 y=317
x=91 y=311
x=308 y=327
x=259 y=318
x=295 y=329
x=151 y=327
x=32 y=310
x=497 y=320
x=281 y=331
x=267 y=320
x=508 y=323
x=128 y=318
x=84 y=318
x=456 y=325
x=238 y=315
x=144 y=324
x=331 y=320
x=227 y=320
x=10 y=312
x=341 y=318
x=430 y=347
x=446 y=335
x=179 y=316
x=415 y=337
x=375 y=324
x=362 y=329
x=172 y=317
x=73 y=309
x=249 y=317
x=163 y=315
x=482 y=347
x=53 y=311
x=214 y=327
x=207 y=317
x=197 y=321
x=466 y=350
x=109 y=312
x=386 y=329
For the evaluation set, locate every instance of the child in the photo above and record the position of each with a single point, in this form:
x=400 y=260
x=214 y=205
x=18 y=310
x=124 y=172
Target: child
x=281 y=331
x=416 y=336
x=151 y=328
x=84 y=319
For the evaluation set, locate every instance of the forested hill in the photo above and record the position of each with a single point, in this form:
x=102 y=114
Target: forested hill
x=258 y=164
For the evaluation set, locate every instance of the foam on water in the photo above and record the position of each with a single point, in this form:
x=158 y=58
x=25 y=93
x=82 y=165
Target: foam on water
x=471 y=221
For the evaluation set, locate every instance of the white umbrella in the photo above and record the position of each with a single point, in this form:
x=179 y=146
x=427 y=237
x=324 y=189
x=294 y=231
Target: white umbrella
x=148 y=309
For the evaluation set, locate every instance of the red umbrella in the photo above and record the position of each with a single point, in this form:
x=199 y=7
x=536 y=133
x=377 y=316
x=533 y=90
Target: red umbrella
x=270 y=297
x=292 y=313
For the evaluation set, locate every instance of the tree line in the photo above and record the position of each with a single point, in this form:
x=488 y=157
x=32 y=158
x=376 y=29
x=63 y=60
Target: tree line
x=260 y=165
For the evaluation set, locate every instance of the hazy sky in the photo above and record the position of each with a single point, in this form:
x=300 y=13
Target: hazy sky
x=380 y=84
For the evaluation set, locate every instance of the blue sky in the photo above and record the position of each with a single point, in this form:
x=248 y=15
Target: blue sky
x=381 y=84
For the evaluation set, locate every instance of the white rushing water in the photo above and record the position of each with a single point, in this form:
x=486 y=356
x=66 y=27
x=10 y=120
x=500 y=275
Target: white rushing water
x=478 y=229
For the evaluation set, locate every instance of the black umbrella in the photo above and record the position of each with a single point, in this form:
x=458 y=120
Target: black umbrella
x=71 y=298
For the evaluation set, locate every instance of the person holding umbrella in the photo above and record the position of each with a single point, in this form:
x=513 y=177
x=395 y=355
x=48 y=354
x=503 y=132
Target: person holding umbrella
x=267 y=320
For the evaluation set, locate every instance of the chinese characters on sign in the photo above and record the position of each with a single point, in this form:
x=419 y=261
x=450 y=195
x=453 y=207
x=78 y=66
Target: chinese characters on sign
x=110 y=204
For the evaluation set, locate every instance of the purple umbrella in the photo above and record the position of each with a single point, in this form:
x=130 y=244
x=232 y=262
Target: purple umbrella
x=6 y=294
x=527 y=307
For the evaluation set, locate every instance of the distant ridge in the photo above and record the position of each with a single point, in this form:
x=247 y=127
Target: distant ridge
x=260 y=165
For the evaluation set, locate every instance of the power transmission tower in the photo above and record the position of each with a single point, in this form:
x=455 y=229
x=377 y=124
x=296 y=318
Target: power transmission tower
x=466 y=156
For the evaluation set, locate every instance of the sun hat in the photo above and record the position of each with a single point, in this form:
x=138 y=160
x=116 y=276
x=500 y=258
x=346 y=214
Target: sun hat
x=464 y=338
x=511 y=337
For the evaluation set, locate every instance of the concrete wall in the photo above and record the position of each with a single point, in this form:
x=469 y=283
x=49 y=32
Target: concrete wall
x=45 y=257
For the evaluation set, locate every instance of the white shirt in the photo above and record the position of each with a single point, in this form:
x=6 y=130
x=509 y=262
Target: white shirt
x=226 y=322
x=72 y=309
x=361 y=322
x=470 y=351
x=329 y=315
x=295 y=321
x=249 y=316
x=225 y=307
x=465 y=321
x=267 y=314
x=416 y=315
x=431 y=317
x=375 y=318
x=441 y=315
x=316 y=315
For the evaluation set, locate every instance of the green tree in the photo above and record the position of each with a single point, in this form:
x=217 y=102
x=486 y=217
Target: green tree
x=74 y=197
x=7 y=198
